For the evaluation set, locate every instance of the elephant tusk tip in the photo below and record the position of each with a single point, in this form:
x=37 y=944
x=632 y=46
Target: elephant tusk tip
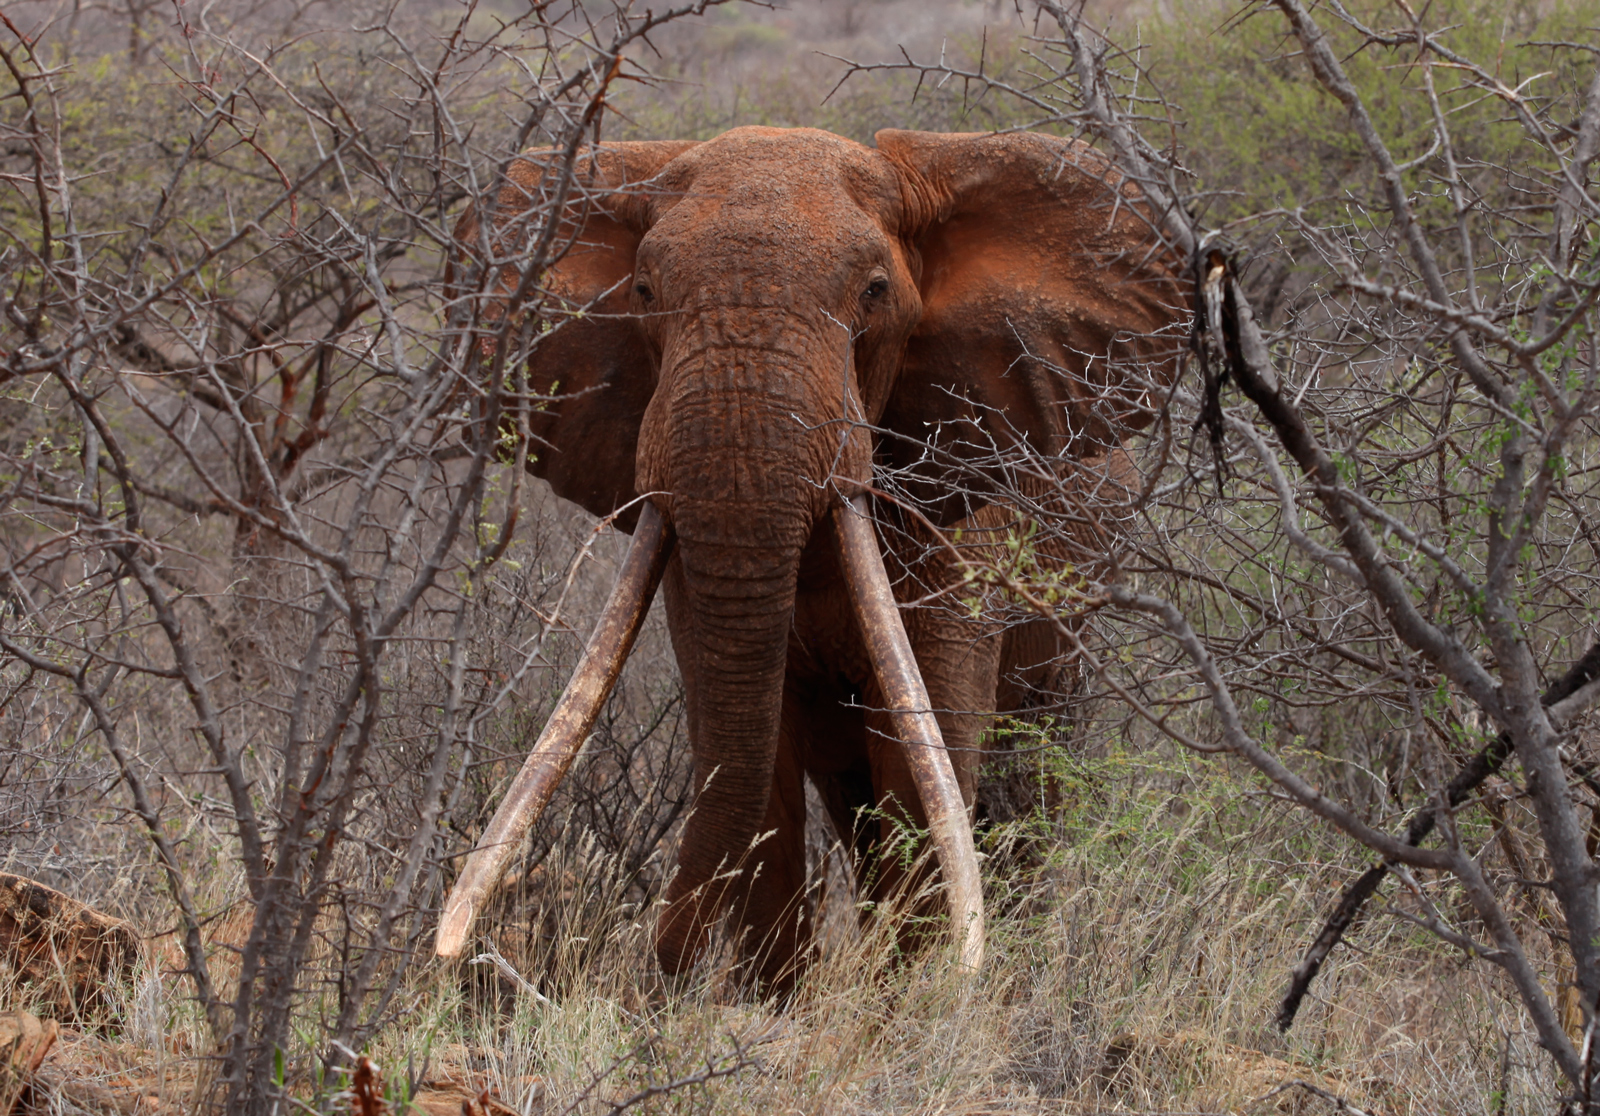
x=453 y=928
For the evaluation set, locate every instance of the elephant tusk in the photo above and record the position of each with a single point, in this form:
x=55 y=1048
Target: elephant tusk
x=914 y=721
x=565 y=731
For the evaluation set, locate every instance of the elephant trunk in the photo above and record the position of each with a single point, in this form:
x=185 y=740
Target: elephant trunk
x=738 y=609
x=740 y=438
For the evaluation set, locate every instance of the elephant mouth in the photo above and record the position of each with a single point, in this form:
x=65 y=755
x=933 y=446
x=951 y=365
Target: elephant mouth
x=606 y=652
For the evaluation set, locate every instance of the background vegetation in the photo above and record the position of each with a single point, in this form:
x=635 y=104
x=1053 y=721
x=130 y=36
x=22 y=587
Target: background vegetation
x=224 y=242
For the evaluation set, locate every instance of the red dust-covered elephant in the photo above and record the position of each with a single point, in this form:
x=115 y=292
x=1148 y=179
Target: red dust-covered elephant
x=769 y=314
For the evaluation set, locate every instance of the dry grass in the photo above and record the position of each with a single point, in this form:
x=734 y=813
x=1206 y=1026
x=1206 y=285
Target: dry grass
x=1141 y=939
x=1138 y=954
x=1142 y=935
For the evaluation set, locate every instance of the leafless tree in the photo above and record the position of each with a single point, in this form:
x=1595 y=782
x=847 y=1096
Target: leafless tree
x=264 y=341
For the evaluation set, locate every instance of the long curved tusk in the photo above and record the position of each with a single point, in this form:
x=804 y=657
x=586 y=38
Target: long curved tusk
x=565 y=731
x=914 y=722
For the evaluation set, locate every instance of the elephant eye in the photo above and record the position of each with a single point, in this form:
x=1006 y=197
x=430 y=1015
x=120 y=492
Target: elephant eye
x=876 y=288
x=644 y=292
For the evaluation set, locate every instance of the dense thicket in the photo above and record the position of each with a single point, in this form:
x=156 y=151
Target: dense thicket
x=277 y=614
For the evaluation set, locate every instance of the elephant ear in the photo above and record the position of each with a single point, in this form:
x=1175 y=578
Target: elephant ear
x=1043 y=283
x=594 y=368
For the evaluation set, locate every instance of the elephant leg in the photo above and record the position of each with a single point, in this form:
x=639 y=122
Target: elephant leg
x=1039 y=677
x=1033 y=672
x=960 y=661
x=830 y=733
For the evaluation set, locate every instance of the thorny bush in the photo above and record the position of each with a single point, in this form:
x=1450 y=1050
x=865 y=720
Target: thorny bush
x=262 y=584
x=1362 y=560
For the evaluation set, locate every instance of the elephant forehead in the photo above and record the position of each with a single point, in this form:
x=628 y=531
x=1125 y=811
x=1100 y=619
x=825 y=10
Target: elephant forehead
x=790 y=180
x=790 y=233
x=751 y=254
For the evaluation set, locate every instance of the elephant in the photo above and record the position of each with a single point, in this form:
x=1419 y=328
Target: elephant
x=758 y=322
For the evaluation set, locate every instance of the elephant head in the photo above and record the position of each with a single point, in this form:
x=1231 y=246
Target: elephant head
x=762 y=315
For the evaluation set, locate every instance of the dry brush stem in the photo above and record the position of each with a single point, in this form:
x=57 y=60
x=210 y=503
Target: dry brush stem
x=1571 y=687
x=313 y=692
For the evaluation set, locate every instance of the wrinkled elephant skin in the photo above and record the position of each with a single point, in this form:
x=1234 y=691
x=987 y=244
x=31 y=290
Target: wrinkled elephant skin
x=769 y=314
